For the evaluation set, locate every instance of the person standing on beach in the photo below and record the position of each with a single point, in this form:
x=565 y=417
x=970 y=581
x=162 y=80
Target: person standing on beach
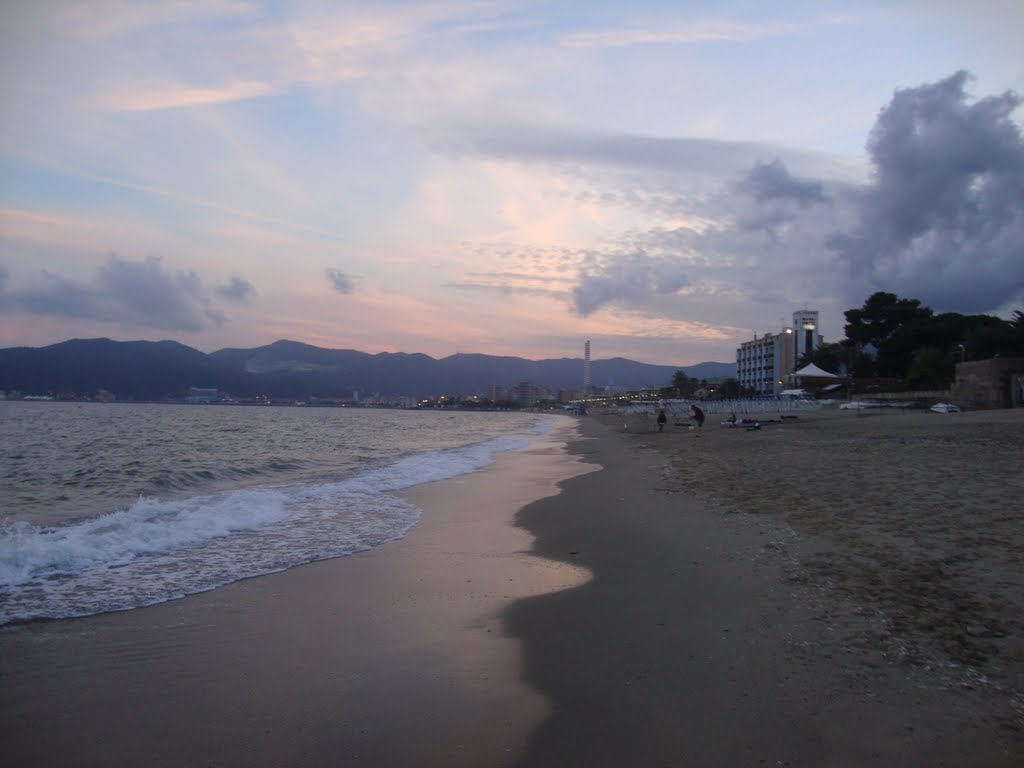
x=662 y=418
x=698 y=415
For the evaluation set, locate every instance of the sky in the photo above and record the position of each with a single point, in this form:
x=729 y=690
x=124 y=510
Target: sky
x=666 y=179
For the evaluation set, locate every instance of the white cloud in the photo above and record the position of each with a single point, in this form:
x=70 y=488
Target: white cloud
x=672 y=31
x=139 y=98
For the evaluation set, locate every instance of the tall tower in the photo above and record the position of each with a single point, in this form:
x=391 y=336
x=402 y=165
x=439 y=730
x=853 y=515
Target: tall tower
x=805 y=331
x=586 y=368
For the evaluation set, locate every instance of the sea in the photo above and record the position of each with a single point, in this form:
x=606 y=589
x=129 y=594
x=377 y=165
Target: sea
x=114 y=506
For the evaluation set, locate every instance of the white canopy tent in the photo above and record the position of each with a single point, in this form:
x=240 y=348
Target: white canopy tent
x=813 y=372
x=815 y=379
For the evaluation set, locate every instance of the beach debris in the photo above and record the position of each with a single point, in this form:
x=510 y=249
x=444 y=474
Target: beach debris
x=981 y=630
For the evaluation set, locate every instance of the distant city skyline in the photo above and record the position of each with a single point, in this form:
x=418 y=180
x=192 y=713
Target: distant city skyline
x=509 y=178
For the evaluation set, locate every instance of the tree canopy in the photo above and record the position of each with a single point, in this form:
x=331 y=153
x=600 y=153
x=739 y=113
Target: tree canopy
x=897 y=337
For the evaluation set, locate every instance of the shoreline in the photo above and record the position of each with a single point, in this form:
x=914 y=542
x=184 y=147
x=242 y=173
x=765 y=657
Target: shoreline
x=607 y=596
x=733 y=619
x=391 y=657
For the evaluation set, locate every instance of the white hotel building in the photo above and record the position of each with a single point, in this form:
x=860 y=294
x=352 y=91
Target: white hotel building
x=764 y=363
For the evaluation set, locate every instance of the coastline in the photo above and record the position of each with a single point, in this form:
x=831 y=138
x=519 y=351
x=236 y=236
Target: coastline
x=737 y=618
x=608 y=596
x=390 y=657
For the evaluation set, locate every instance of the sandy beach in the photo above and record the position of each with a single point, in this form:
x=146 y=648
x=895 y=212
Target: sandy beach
x=839 y=589
x=833 y=590
x=392 y=657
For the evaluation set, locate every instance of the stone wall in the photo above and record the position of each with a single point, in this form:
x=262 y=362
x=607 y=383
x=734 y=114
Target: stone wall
x=916 y=394
x=994 y=383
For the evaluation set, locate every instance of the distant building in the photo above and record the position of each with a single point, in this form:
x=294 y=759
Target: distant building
x=586 y=368
x=805 y=332
x=526 y=394
x=202 y=395
x=763 y=364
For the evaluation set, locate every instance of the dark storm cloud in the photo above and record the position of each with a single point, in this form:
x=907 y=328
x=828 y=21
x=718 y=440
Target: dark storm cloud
x=940 y=218
x=757 y=240
x=772 y=182
x=770 y=199
x=630 y=278
x=130 y=292
x=237 y=289
x=943 y=220
x=757 y=212
x=341 y=282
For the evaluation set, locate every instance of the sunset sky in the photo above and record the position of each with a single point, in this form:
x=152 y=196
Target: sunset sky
x=512 y=177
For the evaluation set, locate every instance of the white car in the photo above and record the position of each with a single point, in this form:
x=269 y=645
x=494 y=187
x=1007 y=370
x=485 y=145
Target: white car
x=945 y=408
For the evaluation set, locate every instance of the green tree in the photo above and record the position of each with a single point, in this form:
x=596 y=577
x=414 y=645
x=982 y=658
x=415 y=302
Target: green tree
x=895 y=337
x=882 y=315
x=683 y=384
x=991 y=336
x=833 y=358
x=930 y=368
x=730 y=389
x=1017 y=324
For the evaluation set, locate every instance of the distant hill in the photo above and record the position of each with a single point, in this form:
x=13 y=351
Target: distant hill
x=146 y=370
x=142 y=370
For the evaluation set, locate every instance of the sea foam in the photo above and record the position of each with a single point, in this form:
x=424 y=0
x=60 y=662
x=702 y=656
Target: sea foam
x=156 y=550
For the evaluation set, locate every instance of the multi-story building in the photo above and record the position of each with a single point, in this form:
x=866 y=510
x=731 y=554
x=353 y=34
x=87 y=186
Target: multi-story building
x=763 y=364
x=526 y=394
x=496 y=392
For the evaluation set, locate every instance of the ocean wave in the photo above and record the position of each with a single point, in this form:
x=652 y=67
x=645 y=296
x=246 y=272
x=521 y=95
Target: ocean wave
x=156 y=550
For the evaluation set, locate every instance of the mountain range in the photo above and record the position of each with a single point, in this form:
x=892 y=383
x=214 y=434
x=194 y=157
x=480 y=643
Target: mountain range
x=159 y=370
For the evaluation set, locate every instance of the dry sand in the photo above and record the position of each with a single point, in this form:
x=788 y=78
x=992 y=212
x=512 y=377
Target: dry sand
x=834 y=591
x=839 y=589
x=915 y=517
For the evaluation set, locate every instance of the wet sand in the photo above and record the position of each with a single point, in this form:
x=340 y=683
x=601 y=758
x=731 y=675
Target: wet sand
x=832 y=590
x=836 y=590
x=392 y=657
